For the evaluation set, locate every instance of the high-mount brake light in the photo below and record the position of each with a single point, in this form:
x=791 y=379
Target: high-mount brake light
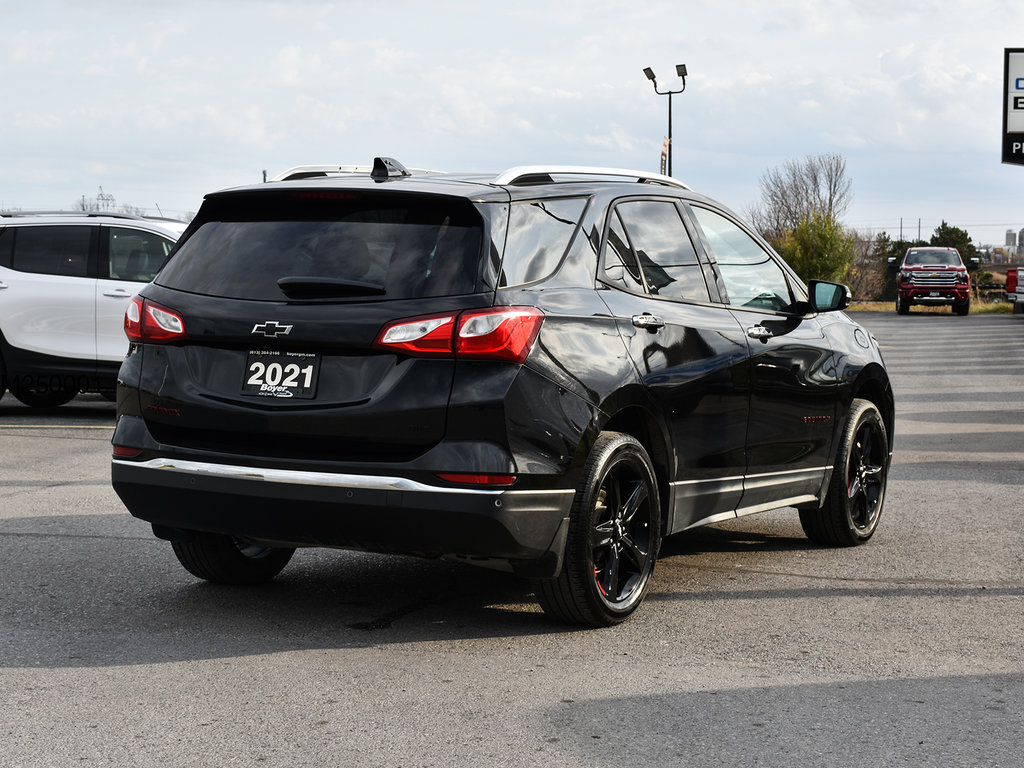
x=147 y=321
x=499 y=333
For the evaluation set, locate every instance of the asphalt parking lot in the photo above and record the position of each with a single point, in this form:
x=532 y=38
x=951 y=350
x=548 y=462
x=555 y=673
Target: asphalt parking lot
x=754 y=648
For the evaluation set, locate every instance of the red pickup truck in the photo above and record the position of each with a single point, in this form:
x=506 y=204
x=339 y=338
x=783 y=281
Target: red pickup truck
x=933 y=276
x=1014 y=294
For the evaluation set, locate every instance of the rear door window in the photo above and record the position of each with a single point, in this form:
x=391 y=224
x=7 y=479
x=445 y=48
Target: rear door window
x=330 y=245
x=649 y=237
x=53 y=250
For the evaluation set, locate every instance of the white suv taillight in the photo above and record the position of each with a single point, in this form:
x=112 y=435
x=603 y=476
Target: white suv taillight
x=499 y=333
x=147 y=321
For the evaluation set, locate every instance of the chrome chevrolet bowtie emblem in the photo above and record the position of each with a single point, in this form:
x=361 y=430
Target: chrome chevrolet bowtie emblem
x=272 y=329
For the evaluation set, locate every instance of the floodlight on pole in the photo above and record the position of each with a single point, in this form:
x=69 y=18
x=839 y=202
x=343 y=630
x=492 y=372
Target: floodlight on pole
x=681 y=72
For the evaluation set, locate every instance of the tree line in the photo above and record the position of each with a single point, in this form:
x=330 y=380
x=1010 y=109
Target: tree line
x=799 y=214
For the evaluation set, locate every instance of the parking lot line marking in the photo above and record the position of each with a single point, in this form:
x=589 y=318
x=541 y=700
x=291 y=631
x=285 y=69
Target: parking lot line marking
x=54 y=426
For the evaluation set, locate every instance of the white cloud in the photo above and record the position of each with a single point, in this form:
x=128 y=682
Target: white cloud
x=209 y=93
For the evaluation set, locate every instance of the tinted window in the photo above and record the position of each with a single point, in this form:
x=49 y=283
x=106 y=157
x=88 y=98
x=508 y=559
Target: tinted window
x=751 y=277
x=134 y=254
x=6 y=246
x=663 y=249
x=538 y=234
x=335 y=244
x=52 y=250
x=620 y=265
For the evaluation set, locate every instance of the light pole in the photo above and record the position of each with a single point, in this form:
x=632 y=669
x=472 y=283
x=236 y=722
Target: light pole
x=681 y=71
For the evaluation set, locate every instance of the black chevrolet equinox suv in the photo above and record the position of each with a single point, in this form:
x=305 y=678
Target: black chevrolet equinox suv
x=545 y=371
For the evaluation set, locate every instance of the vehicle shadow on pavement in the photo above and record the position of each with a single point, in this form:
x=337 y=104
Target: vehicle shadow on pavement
x=96 y=590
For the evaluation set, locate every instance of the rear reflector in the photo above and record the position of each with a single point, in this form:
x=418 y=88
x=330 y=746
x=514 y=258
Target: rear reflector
x=124 y=452
x=476 y=479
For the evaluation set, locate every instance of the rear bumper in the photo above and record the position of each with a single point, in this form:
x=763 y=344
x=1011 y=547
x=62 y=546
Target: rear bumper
x=283 y=507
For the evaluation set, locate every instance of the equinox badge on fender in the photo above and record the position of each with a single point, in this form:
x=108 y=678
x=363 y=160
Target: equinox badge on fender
x=271 y=328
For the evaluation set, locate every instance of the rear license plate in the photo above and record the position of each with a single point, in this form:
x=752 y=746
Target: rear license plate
x=281 y=374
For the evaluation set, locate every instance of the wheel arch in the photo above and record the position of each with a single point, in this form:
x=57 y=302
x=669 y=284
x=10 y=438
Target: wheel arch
x=640 y=424
x=873 y=384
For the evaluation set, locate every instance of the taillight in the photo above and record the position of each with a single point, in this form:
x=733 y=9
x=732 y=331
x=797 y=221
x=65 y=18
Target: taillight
x=419 y=336
x=499 y=333
x=147 y=321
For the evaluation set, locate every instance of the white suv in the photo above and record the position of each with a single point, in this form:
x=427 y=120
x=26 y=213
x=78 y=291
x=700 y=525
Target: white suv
x=65 y=282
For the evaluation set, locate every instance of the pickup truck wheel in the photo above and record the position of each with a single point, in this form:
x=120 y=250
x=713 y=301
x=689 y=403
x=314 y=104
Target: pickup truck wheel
x=614 y=536
x=962 y=307
x=229 y=560
x=855 y=495
x=49 y=398
x=902 y=307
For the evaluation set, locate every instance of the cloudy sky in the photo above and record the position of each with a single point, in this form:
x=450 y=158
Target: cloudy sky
x=159 y=103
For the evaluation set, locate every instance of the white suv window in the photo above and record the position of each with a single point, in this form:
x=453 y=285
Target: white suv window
x=134 y=254
x=52 y=250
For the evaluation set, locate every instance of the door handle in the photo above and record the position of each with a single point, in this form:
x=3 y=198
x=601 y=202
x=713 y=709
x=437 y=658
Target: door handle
x=760 y=333
x=117 y=293
x=3 y=284
x=651 y=322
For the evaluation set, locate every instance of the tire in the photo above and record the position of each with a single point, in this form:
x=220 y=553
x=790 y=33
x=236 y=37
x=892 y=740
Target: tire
x=902 y=307
x=1018 y=307
x=50 y=398
x=228 y=560
x=962 y=307
x=613 y=540
x=853 y=503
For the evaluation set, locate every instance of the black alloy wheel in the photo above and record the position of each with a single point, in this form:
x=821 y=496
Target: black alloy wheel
x=614 y=536
x=856 y=494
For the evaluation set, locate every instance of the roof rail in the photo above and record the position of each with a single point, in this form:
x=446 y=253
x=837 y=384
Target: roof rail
x=108 y=214
x=534 y=174
x=384 y=166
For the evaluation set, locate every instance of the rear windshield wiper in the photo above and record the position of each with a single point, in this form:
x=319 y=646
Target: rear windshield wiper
x=304 y=287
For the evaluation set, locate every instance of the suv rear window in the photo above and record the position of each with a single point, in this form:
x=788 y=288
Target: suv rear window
x=327 y=245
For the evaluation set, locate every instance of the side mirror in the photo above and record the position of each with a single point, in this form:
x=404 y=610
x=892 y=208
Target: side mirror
x=893 y=263
x=828 y=297
x=973 y=264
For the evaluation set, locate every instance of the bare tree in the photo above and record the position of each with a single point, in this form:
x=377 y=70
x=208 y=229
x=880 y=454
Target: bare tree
x=791 y=193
